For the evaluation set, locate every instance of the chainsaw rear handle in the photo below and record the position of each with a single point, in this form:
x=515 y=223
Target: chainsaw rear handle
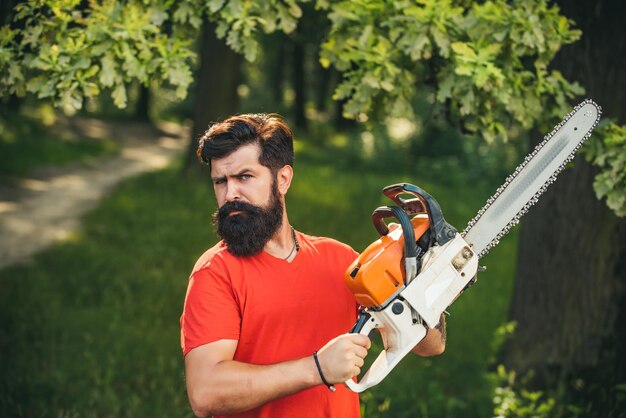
x=442 y=231
x=399 y=335
x=384 y=212
x=364 y=317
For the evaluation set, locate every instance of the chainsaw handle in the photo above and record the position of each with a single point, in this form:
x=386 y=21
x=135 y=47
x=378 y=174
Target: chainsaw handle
x=399 y=335
x=365 y=324
x=364 y=319
x=384 y=212
x=441 y=230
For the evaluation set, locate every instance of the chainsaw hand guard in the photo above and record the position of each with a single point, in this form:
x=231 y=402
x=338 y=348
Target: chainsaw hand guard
x=441 y=231
x=410 y=245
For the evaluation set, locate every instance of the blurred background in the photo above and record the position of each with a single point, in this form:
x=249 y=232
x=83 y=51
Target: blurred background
x=104 y=208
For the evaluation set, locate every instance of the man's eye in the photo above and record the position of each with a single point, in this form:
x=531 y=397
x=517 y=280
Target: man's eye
x=245 y=176
x=220 y=181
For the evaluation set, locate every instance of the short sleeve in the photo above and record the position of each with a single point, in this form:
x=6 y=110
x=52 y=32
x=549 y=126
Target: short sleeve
x=211 y=311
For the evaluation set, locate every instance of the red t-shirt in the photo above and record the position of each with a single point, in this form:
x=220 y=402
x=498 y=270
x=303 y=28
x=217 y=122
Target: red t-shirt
x=278 y=311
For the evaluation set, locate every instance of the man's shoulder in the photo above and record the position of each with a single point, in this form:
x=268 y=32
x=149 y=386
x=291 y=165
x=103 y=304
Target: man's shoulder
x=217 y=252
x=324 y=244
x=318 y=240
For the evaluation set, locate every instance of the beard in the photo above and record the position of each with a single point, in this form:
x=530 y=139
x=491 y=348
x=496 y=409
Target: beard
x=247 y=232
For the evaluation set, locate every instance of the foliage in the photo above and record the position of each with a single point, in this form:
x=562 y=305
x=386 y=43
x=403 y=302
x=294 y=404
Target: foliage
x=609 y=153
x=485 y=63
x=590 y=393
x=239 y=21
x=511 y=402
x=66 y=52
x=585 y=397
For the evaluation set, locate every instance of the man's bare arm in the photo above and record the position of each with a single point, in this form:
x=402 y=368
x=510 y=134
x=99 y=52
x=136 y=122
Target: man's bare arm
x=434 y=343
x=218 y=385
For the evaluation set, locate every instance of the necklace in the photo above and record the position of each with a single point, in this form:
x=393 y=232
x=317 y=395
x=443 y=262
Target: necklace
x=296 y=245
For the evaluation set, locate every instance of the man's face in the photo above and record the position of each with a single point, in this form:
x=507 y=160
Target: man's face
x=250 y=206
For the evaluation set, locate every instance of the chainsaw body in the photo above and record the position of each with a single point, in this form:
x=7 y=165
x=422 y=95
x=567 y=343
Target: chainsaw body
x=405 y=280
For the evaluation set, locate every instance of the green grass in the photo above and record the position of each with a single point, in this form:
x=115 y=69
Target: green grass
x=26 y=143
x=90 y=328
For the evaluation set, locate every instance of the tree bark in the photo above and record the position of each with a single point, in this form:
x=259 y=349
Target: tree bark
x=216 y=87
x=142 y=109
x=323 y=88
x=298 y=72
x=570 y=285
x=275 y=53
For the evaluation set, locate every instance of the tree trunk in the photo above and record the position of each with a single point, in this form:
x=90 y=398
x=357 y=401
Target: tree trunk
x=275 y=52
x=323 y=88
x=216 y=87
x=142 y=109
x=298 y=72
x=570 y=285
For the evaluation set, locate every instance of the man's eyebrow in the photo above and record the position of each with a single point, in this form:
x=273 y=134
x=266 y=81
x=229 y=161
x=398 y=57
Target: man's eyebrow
x=239 y=174
x=243 y=172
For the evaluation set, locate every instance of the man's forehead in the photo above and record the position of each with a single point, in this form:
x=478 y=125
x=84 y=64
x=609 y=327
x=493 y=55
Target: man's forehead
x=244 y=157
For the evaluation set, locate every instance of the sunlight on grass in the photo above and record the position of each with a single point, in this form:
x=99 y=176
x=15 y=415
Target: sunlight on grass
x=26 y=142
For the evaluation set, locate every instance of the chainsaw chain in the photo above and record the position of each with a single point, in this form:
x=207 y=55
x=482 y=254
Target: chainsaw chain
x=543 y=188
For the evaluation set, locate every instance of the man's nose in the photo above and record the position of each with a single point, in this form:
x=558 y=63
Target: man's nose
x=232 y=192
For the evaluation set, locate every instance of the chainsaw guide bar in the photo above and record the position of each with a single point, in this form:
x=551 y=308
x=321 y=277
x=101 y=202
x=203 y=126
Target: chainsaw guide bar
x=531 y=178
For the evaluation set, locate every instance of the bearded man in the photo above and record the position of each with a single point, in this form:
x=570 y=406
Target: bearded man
x=264 y=323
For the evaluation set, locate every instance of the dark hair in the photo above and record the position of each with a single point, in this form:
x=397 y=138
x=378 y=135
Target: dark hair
x=268 y=130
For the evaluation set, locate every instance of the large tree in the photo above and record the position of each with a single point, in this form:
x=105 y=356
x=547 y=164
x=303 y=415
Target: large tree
x=571 y=277
x=216 y=86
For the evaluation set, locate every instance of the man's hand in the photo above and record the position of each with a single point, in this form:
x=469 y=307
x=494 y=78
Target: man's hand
x=342 y=358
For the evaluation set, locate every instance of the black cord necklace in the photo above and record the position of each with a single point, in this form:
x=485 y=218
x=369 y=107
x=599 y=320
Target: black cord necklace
x=296 y=245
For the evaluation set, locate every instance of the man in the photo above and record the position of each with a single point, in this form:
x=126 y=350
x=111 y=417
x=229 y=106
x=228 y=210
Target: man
x=264 y=324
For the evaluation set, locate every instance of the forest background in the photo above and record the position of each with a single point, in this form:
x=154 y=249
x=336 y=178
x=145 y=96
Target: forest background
x=447 y=95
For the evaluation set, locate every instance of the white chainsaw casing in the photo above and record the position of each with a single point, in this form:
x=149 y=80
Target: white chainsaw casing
x=446 y=270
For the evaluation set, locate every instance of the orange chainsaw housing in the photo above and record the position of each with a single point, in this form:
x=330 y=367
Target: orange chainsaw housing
x=378 y=273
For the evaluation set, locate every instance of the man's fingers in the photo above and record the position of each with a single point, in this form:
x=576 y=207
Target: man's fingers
x=360 y=339
x=342 y=358
x=361 y=352
x=359 y=362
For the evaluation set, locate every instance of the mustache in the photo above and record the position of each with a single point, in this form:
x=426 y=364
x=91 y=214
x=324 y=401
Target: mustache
x=229 y=207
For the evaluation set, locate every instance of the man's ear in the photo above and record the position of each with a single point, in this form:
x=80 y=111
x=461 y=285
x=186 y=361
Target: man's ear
x=283 y=177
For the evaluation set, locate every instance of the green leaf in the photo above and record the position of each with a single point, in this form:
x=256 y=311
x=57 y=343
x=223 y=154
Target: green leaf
x=215 y=5
x=463 y=50
x=119 y=96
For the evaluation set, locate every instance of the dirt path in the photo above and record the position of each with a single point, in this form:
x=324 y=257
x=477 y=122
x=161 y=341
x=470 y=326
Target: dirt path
x=46 y=207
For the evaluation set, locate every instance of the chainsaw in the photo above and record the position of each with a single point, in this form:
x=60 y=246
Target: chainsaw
x=405 y=280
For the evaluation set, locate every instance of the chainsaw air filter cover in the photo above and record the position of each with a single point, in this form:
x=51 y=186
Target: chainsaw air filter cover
x=378 y=273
